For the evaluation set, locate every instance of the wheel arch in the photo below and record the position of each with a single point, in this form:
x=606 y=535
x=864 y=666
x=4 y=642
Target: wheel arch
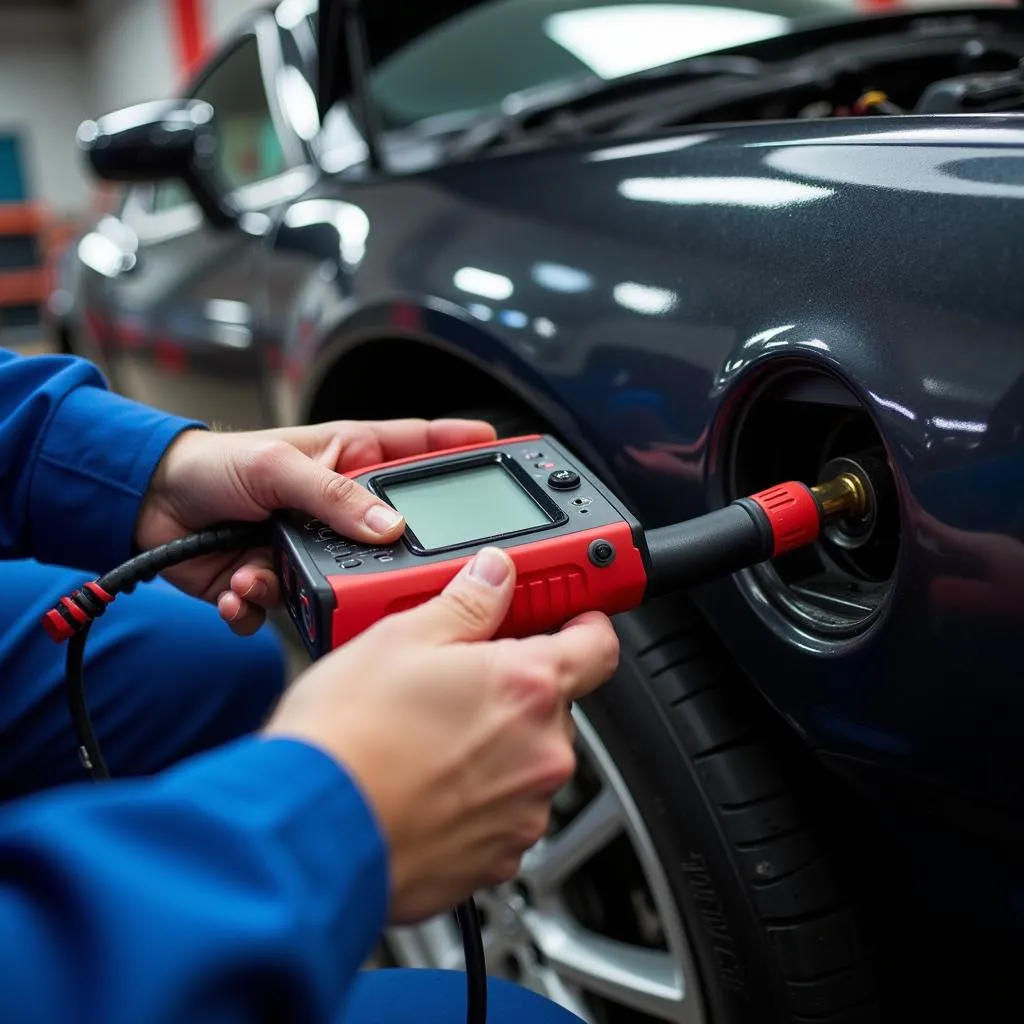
x=434 y=361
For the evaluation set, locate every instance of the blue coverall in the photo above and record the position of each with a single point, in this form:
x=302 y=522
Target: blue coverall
x=247 y=881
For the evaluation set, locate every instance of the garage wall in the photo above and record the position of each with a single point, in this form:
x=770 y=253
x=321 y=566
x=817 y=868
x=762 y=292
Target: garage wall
x=132 y=51
x=57 y=69
x=44 y=95
x=221 y=15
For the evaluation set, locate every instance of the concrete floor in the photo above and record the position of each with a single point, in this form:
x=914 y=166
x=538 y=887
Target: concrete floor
x=26 y=344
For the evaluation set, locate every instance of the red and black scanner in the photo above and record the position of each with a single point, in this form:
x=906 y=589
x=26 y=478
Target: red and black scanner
x=575 y=546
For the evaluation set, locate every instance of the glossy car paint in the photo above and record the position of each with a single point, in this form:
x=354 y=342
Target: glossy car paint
x=632 y=292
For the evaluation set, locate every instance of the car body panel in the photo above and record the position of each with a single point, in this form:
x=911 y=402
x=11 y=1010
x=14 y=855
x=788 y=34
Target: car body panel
x=815 y=269
x=632 y=292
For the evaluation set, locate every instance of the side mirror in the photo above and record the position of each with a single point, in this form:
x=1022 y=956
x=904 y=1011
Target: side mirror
x=173 y=139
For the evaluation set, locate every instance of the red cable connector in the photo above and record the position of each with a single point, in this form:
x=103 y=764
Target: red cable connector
x=71 y=614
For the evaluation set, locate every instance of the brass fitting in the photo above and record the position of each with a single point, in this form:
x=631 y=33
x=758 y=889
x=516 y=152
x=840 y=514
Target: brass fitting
x=842 y=497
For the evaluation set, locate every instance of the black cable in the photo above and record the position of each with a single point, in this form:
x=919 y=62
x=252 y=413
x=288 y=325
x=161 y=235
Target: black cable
x=89 y=752
x=476 y=966
x=72 y=619
x=76 y=614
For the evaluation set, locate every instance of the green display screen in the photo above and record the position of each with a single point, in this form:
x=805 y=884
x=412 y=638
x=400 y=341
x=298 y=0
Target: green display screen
x=465 y=506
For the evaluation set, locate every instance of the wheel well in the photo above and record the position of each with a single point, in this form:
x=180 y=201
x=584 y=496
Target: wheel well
x=421 y=381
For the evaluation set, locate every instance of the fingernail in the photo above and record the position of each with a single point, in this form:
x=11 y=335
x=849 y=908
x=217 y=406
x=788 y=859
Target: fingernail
x=234 y=615
x=490 y=566
x=382 y=518
x=257 y=589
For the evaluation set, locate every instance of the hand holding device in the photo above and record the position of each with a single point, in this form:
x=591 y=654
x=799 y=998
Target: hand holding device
x=209 y=477
x=458 y=744
x=575 y=545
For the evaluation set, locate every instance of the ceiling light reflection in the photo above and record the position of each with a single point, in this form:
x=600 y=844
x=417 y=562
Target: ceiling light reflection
x=644 y=298
x=655 y=146
x=767 y=335
x=560 y=278
x=766 y=193
x=298 y=102
x=480 y=311
x=513 y=318
x=621 y=39
x=291 y=12
x=228 y=311
x=349 y=220
x=99 y=253
x=483 y=282
x=960 y=426
x=888 y=403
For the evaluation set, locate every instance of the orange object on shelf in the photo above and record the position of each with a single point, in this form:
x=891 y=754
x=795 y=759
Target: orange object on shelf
x=24 y=287
x=22 y=218
x=32 y=285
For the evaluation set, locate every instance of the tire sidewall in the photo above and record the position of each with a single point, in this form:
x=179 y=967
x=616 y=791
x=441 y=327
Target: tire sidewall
x=726 y=941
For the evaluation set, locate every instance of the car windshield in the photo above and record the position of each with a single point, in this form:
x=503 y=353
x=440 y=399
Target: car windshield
x=472 y=62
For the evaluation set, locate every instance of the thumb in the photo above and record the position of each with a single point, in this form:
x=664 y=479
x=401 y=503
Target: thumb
x=472 y=606
x=298 y=482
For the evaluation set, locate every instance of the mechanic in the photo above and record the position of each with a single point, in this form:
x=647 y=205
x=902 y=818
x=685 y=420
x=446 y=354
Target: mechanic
x=251 y=876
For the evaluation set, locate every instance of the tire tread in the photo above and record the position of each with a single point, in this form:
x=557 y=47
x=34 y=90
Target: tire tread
x=811 y=930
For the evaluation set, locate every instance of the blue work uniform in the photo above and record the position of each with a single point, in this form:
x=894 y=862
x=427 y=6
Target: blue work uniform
x=244 y=879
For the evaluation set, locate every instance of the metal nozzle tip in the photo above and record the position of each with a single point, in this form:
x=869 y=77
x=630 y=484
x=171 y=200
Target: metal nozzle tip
x=842 y=497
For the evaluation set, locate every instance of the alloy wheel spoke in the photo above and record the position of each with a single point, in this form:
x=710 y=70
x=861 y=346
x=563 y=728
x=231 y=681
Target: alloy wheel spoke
x=549 y=862
x=495 y=947
x=435 y=942
x=646 y=980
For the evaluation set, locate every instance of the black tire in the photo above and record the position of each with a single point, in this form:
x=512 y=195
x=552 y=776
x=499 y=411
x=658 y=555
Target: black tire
x=734 y=809
x=774 y=936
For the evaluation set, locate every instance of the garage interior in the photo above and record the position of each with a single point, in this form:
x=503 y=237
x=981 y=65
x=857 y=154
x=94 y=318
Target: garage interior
x=61 y=62
x=797 y=800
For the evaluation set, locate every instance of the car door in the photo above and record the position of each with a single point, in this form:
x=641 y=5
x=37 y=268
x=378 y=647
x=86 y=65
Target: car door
x=183 y=304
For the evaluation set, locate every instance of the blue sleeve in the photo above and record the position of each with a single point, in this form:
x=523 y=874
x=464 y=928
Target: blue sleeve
x=75 y=462
x=249 y=884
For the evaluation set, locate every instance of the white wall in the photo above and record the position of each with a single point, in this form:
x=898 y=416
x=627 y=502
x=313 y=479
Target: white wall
x=44 y=96
x=222 y=15
x=131 y=51
x=57 y=69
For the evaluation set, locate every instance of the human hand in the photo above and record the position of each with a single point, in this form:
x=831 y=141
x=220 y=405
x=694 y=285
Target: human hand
x=458 y=742
x=206 y=477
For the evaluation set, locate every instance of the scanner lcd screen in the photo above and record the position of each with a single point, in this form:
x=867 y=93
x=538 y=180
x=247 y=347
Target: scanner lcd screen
x=465 y=506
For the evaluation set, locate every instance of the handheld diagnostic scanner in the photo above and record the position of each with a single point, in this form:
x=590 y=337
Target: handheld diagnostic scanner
x=575 y=546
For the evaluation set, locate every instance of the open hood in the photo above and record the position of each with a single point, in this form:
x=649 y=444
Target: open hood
x=470 y=55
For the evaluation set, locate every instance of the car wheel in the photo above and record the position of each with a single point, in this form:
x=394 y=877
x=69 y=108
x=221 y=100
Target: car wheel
x=682 y=879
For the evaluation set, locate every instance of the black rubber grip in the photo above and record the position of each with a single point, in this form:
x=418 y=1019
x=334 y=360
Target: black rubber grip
x=148 y=565
x=708 y=547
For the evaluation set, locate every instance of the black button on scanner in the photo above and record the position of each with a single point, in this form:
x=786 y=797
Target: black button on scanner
x=564 y=480
x=351 y=563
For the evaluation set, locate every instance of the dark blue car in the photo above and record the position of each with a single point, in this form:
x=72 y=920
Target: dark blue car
x=710 y=247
